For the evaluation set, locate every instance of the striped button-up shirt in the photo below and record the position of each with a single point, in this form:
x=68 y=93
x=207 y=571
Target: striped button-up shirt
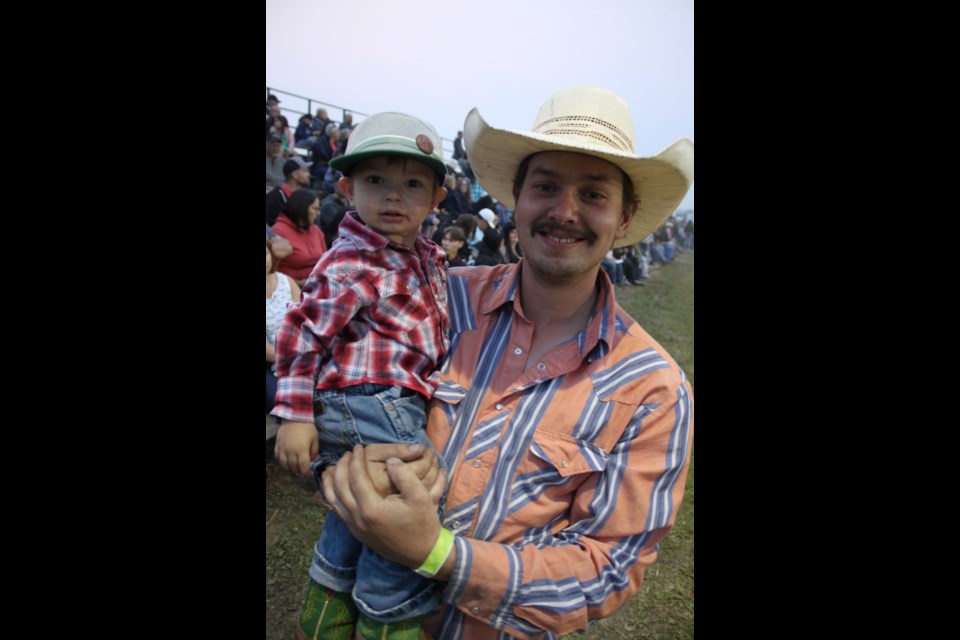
x=372 y=310
x=565 y=473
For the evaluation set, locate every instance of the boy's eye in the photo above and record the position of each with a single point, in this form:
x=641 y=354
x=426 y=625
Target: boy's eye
x=594 y=195
x=374 y=179
x=414 y=183
x=545 y=188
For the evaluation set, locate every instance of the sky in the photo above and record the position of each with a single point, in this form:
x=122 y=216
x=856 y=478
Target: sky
x=437 y=59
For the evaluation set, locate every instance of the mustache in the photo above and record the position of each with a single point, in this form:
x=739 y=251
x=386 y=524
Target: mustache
x=549 y=226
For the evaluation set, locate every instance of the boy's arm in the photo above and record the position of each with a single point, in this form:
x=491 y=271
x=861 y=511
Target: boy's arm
x=329 y=301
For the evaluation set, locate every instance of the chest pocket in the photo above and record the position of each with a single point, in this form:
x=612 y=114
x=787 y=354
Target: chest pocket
x=400 y=304
x=556 y=465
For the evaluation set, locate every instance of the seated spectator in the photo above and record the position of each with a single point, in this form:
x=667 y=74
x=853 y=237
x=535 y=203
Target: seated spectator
x=511 y=244
x=297 y=176
x=613 y=268
x=332 y=209
x=302 y=137
x=488 y=248
x=295 y=223
x=468 y=223
x=275 y=161
x=452 y=242
x=282 y=128
x=281 y=291
x=430 y=224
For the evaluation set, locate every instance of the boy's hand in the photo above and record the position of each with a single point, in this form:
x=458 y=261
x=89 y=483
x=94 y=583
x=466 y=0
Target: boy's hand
x=422 y=461
x=297 y=446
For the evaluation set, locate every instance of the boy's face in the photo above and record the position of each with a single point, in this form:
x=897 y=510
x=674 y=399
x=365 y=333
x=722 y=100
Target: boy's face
x=393 y=197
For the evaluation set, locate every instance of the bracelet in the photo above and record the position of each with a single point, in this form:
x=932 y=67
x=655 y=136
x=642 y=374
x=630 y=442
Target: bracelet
x=438 y=555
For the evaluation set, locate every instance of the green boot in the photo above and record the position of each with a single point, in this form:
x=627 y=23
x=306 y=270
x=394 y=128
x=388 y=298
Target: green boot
x=326 y=615
x=368 y=629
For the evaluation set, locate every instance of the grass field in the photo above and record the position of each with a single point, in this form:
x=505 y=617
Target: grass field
x=662 y=610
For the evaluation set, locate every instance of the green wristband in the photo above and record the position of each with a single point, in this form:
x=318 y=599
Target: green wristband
x=438 y=555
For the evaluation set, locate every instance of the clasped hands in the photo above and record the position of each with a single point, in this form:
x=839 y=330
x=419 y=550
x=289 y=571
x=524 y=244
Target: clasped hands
x=387 y=495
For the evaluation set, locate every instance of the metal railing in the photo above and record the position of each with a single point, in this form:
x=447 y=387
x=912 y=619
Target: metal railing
x=310 y=105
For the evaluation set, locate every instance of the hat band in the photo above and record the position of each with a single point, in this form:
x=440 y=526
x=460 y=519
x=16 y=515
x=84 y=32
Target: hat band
x=586 y=126
x=386 y=140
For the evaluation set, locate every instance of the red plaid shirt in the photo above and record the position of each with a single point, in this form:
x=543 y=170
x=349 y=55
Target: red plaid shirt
x=371 y=311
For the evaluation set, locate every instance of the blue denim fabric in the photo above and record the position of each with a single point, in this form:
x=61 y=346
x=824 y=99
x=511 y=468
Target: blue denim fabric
x=368 y=414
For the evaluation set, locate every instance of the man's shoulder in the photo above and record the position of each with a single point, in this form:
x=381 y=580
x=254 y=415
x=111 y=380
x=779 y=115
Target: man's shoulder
x=480 y=278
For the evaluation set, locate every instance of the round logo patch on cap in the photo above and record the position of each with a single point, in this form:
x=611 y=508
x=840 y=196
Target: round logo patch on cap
x=424 y=144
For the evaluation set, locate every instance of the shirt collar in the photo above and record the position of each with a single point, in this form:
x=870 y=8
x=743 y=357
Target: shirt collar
x=600 y=328
x=368 y=239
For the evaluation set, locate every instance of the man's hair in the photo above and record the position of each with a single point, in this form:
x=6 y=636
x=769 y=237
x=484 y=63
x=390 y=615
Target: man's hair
x=630 y=200
x=297 y=206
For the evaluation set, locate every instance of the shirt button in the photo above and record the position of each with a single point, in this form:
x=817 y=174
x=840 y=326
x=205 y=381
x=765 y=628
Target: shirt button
x=499 y=407
x=456 y=524
x=541 y=366
x=475 y=610
x=564 y=463
x=476 y=463
x=390 y=407
x=492 y=617
x=518 y=351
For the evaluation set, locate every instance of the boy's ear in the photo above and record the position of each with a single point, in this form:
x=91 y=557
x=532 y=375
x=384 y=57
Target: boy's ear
x=438 y=196
x=347 y=185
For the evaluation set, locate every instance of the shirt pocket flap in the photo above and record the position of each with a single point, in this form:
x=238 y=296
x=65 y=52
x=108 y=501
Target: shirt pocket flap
x=568 y=455
x=393 y=284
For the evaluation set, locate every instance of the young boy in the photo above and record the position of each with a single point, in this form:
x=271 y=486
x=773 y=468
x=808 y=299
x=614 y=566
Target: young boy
x=356 y=361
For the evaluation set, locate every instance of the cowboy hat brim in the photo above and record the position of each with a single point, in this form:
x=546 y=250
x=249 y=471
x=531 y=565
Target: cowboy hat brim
x=660 y=181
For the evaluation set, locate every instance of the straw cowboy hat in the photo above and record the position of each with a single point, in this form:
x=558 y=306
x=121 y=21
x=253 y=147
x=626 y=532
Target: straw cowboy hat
x=589 y=120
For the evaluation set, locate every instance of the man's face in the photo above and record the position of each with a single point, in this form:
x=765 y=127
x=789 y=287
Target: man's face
x=274 y=148
x=568 y=213
x=302 y=177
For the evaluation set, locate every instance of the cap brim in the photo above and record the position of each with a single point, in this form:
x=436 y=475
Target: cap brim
x=345 y=162
x=660 y=181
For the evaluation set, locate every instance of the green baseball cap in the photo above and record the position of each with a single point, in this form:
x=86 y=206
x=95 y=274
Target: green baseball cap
x=393 y=134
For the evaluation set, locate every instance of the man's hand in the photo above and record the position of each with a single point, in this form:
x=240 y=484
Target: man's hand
x=401 y=527
x=422 y=461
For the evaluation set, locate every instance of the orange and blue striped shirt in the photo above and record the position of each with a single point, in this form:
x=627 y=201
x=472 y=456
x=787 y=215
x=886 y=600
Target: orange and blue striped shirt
x=564 y=474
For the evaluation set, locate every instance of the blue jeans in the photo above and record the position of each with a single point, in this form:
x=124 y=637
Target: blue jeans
x=368 y=414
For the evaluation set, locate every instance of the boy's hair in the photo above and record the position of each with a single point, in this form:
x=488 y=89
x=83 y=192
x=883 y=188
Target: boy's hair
x=394 y=161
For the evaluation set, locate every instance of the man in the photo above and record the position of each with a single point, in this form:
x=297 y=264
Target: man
x=564 y=426
x=296 y=174
x=347 y=121
x=458 y=151
x=275 y=161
